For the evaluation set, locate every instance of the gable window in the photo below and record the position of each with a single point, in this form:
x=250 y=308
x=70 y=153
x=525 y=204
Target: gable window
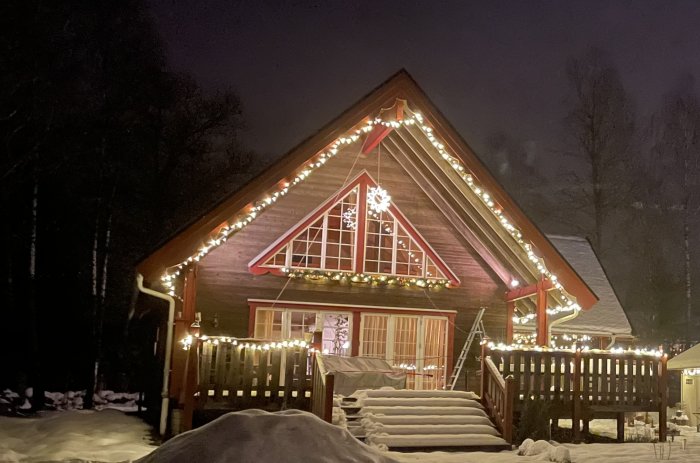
x=328 y=243
x=352 y=233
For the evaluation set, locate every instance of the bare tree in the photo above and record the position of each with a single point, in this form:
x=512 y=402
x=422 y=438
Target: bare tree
x=600 y=126
x=675 y=154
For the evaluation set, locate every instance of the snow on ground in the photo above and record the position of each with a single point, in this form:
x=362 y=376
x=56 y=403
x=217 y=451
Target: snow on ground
x=580 y=453
x=111 y=436
x=103 y=436
x=256 y=436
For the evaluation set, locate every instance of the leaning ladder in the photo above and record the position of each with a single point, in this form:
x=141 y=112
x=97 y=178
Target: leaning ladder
x=477 y=328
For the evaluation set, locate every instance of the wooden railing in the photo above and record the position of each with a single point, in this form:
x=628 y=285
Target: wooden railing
x=323 y=384
x=247 y=374
x=497 y=395
x=582 y=383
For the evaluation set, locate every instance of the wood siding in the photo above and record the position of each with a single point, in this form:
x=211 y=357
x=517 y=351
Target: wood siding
x=224 y=283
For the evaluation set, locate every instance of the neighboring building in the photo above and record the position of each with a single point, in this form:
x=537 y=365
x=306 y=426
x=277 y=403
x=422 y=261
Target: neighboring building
x=607 y=324
x=387 y=233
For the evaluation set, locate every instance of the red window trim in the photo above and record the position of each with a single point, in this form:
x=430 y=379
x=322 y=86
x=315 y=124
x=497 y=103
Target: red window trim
x=364 y=181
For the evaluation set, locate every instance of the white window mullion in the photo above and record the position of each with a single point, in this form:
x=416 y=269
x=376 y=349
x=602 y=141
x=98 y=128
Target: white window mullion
x=324 y=237
x=394 y=242
x=390 y=335
x=288 y=258
x=286 y=325
x=420 y=353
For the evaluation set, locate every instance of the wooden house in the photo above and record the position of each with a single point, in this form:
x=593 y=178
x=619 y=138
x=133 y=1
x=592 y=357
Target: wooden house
x=385 y=233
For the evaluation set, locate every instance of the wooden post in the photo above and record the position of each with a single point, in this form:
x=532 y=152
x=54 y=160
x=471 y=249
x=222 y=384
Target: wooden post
x=508 y=409
x=355 y=339
x=510 y=312
x=576 y=399
x=328 y=399
x=542 y=335
x=484 y=374
x=191 y=385
x=621 y=427
x=663 y=399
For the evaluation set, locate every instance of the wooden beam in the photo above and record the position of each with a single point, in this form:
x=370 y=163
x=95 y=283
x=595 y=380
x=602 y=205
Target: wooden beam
x=461 y=215
x=380 y=132
x=528 y=291
x=542 y=335
x=189 y=295
x=375 y=137
x=510 y=312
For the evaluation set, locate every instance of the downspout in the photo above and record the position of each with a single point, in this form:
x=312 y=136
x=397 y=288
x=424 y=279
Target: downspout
x=165 y=399
x=559 y=321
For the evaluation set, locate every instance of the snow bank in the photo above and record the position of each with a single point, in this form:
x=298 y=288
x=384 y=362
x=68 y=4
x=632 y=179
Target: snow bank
x=544 y=449
x=12 y=403
x=105 y=436
x=258 y=436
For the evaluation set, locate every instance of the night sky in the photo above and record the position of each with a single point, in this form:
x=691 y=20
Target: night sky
x=489 y=66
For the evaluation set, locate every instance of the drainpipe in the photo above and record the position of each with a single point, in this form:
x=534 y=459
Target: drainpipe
x=165 y=400
x=559 y=321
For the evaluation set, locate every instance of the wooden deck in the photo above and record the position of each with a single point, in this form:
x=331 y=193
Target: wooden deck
x=580 y=385
x=228 y=375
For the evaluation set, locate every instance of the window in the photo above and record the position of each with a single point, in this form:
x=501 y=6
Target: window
x=288 y=324
x=328 y=243
x=415 y=343
x=327 y=240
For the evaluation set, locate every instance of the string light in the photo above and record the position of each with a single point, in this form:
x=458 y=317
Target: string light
x=169 y=278
x=253 y=344
x=618 y=351
x=364 y=278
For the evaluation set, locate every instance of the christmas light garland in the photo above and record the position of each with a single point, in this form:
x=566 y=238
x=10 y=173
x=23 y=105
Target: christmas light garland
x=618 y=350
x=188 y=340
x=169 y=278
x=364 y=278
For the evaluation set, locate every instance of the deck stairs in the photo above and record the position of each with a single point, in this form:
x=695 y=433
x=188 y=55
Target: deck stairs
x=419 y=421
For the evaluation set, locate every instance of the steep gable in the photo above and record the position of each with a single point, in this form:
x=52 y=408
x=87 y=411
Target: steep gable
x=434 y=156
x=357 y=230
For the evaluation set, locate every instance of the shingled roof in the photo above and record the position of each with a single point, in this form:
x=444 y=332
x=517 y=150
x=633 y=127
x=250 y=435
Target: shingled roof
x=607 y=317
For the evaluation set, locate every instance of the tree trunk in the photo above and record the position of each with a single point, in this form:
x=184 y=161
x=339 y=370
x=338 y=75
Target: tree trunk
x=35 y=377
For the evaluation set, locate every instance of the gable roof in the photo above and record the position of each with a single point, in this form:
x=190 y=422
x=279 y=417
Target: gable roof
x=205 y=232
x=688 y=359
x=608 y=316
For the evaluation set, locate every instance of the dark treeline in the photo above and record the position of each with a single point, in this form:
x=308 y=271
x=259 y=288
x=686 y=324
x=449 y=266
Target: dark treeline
x=629 y=183
x=104 y=151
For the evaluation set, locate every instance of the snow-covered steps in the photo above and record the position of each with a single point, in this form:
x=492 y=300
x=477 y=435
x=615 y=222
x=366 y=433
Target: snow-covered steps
x=405 y=420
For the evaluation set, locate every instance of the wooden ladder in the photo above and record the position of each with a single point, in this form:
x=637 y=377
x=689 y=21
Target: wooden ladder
x=477 y=329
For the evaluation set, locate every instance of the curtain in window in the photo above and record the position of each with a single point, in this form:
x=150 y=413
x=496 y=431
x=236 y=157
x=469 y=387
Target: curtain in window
x=434 y=353
x=268 y=325
x=374 y=334
x=405 y=346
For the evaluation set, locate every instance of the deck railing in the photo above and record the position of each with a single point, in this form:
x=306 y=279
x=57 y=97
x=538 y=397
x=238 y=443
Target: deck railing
x=581 y=383
x=241 y=374
x=323 y=384
x=497 y=395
